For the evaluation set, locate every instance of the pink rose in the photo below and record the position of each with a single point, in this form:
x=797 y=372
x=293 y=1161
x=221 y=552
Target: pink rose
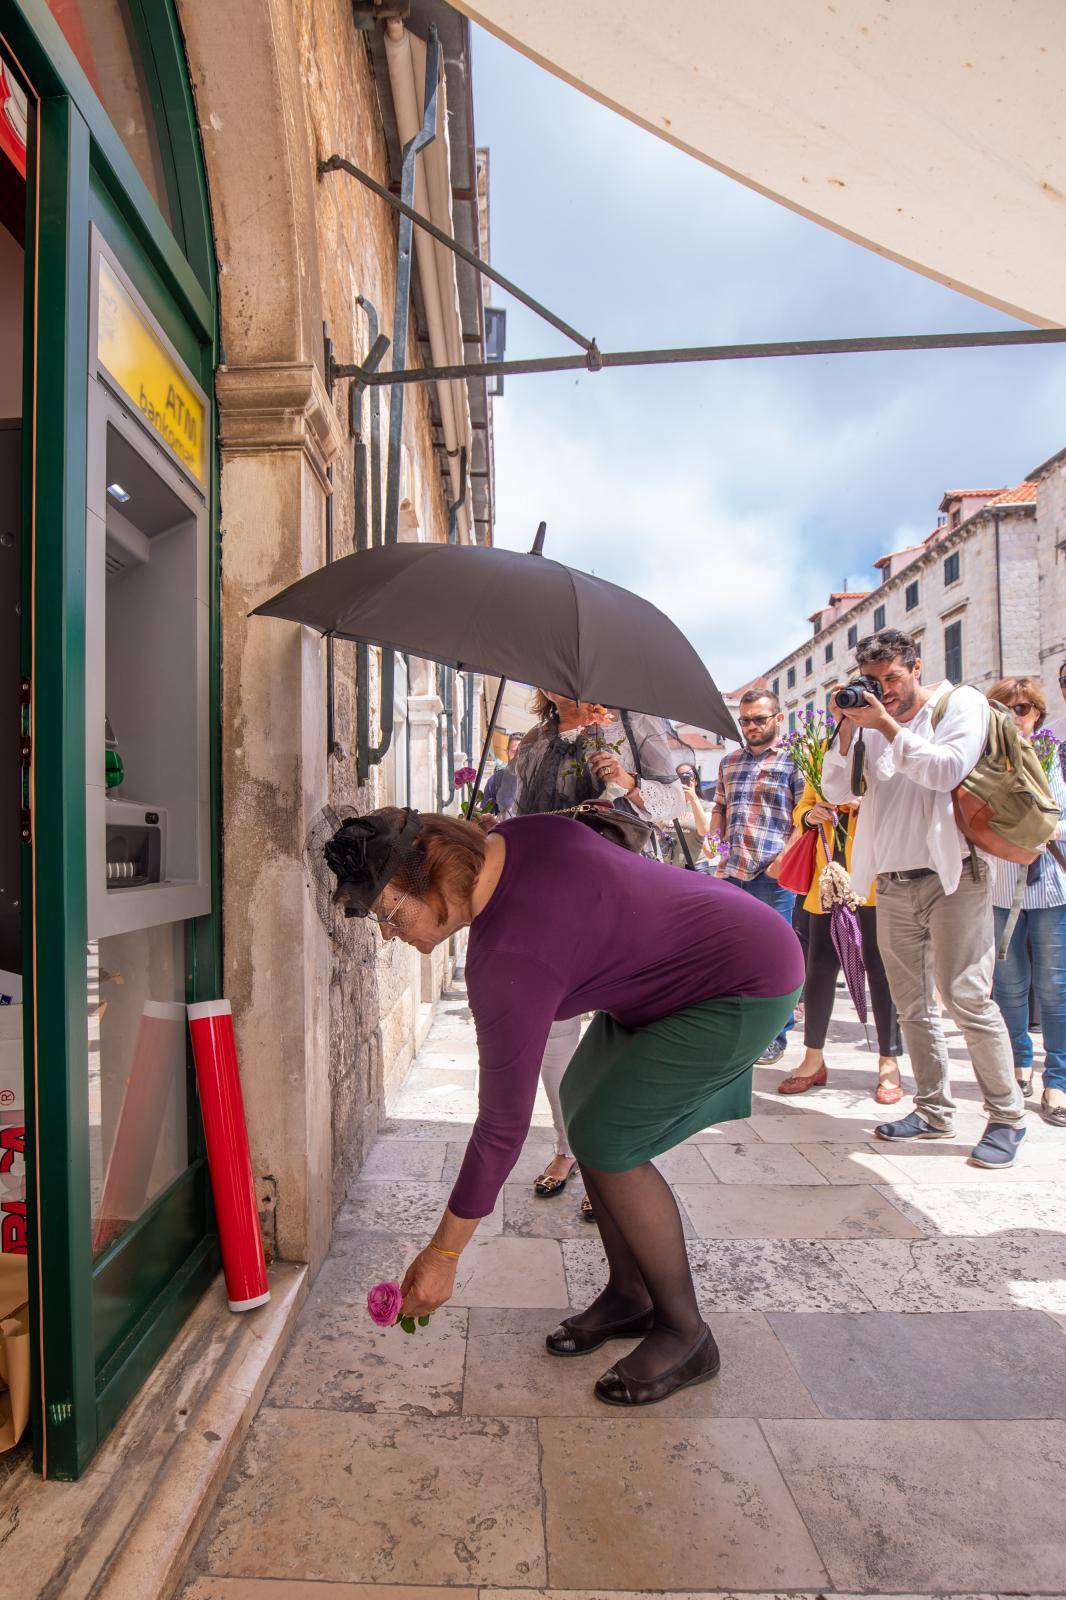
x=464 y=775
x=384 y=1302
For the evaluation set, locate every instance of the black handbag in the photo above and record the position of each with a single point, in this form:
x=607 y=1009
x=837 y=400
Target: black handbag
x=620 y=827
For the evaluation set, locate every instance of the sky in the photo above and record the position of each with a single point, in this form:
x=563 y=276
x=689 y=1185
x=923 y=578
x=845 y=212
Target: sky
x=733 y=496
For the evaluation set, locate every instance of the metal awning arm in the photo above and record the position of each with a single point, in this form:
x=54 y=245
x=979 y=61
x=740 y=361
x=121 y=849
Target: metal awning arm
x=342 y=164
x=596 y=359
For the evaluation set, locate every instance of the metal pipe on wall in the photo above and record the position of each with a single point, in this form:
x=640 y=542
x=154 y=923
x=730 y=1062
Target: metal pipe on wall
x=407 y=60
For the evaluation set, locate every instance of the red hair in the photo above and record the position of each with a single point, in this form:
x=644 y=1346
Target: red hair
x=445 y=861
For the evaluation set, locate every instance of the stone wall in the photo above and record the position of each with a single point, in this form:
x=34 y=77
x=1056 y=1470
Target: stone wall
x=375 y=996
x=324 y=1028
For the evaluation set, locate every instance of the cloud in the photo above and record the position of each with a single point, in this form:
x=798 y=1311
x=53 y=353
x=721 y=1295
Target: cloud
x=734 y=495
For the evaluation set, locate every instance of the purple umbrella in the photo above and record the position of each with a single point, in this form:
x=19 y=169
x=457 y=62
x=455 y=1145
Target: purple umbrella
x=838 y=899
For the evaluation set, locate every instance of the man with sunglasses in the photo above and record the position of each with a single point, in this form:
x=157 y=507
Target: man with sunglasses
x=758 y=790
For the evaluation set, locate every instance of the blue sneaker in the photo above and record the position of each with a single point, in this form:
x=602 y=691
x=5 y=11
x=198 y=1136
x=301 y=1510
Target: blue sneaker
x=997 y=1146
x=913 y=1126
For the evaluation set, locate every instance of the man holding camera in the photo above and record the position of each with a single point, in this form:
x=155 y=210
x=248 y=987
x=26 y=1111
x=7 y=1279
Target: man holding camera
x=934 y=893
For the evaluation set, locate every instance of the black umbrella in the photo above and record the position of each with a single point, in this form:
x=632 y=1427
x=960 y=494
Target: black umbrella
x=506 y=614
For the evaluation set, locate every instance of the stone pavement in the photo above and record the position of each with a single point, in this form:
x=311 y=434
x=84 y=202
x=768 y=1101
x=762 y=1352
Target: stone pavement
x=890 y=1417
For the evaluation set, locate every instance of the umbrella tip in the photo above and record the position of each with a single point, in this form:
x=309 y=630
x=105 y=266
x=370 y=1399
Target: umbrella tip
x=538 y=542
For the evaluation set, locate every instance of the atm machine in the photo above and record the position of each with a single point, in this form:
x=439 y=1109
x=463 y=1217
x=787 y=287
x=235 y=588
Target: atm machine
x=146 y=754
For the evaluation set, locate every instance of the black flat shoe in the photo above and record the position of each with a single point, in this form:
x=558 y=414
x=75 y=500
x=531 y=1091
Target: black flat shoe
x=545 y=1187
x=567 y=1340
x=702 y=1362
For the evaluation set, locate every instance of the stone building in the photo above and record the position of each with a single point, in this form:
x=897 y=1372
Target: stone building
x=971 y=592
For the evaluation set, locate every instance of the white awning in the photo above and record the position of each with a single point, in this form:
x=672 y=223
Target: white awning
x=934 y=133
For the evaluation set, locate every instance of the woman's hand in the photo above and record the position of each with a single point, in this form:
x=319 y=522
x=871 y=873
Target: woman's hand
x=818 y=814
x=608 y=769
x=428 y=1282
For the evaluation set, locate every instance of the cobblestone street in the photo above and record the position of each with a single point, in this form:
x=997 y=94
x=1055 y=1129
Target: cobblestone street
x=890 y=1417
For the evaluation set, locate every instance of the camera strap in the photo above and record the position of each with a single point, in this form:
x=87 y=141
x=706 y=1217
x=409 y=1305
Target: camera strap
x=858 y=766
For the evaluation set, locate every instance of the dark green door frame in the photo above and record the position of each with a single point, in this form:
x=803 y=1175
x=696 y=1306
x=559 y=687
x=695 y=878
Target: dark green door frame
x=102 y=1324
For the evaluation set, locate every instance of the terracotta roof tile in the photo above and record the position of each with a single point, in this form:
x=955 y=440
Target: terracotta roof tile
x=966 y=494
x=1023 y=494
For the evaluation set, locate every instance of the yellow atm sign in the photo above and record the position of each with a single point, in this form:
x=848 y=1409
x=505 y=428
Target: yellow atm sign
x=143 y=367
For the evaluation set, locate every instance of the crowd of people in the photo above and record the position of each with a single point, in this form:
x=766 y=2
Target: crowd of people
x=692 y=978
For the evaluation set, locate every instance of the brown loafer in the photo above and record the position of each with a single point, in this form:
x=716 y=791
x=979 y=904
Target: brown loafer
x=796 y=1083
x=702 y=1362
x=567 y=1340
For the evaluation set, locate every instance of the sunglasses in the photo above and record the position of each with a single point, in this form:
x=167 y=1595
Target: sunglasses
x=754 y=722
x=1022 y=708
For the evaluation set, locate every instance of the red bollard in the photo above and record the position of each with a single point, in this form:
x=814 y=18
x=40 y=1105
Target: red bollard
x=215 y=1054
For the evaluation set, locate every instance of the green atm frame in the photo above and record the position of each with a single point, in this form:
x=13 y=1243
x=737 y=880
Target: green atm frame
x=100 y=1322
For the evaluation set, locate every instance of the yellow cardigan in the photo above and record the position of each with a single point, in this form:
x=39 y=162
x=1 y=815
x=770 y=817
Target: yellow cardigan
x=807 y=800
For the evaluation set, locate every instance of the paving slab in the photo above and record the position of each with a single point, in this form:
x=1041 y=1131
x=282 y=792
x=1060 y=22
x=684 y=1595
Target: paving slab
x=851 y=1163
x=511 y=1272
x=928 y=1507
x=741 y=1275
x=971 y=1210
x=739 y=1132
x=792 y=1211
x=759 y=1163
x=510 y=1373
x=340 y=1361
x=296 y=1589
x=959 y=1365
x=1026 y=1271
x=382 y=1499
x=814 y=1127
x=669 y=1505
x=421 y=1159
x=404 y=1206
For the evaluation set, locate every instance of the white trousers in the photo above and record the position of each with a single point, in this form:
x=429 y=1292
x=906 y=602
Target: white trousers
x=563 y=1040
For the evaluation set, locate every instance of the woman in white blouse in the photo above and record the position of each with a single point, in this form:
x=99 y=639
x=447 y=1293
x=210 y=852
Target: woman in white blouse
x=1036 y=955
x=579 y=751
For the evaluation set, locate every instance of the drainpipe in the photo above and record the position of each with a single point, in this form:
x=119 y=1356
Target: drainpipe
x=999 y=598
x=405 y=55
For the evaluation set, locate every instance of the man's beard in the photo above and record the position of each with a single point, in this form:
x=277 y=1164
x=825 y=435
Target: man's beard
x=908 y=705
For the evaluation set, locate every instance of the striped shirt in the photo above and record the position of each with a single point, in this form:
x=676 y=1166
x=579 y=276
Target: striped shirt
x=758 y=794
x=1050 y=887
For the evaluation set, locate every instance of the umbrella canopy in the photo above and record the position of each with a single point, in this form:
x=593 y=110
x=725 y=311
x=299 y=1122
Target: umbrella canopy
x=511 y=615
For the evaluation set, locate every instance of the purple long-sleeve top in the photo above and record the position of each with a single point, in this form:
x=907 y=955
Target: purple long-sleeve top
x=577 y=924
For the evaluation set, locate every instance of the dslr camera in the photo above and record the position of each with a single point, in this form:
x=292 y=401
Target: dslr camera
x=850 y=697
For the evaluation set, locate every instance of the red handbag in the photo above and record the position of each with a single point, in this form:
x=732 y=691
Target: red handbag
x=795 y=865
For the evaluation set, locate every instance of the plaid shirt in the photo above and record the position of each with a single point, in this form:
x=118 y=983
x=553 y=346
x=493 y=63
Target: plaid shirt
x=758 y=794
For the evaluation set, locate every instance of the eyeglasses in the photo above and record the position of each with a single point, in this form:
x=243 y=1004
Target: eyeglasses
x=754 y=722
x=389 y=919
x=1022 y=709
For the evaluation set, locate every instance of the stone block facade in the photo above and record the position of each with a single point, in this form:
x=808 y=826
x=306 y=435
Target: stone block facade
x=1050 y=479
x=974 y=593
x=326 y=1022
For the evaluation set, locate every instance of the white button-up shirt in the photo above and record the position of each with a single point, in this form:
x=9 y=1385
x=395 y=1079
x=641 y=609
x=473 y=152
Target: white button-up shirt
x=906 y=819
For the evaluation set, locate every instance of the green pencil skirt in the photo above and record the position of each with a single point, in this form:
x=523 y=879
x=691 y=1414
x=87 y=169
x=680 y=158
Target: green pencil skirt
x=630 y=1094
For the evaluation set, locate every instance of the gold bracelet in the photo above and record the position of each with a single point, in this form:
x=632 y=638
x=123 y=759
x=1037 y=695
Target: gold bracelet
x=449 y=1255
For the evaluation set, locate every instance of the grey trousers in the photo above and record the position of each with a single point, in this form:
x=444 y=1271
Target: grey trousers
x=928 y=938
x=563 y=1040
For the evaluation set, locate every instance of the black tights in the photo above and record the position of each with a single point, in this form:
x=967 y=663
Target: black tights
x=819 y=990
x=644 y=1242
